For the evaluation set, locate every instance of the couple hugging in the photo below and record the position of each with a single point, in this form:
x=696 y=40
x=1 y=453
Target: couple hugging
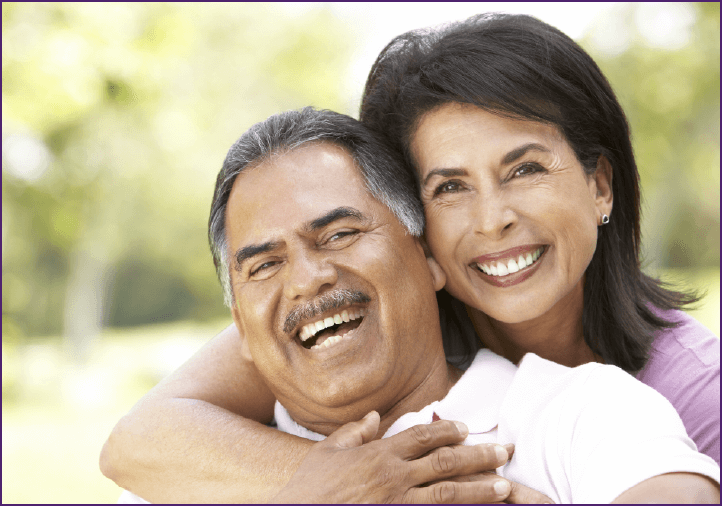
x=316 y=227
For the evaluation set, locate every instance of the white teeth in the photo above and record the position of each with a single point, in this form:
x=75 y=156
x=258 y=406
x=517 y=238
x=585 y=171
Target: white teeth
x=513 y=265
x=333 y=340
x=310 y=330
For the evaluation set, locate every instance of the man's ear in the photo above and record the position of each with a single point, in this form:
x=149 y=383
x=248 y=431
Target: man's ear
x=604 y=197
x=438 y=275
x=245 y=350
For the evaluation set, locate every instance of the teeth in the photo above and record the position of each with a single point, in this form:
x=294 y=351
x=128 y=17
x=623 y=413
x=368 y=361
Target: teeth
x=513 y=265
x=332 y=340
x=310 y=330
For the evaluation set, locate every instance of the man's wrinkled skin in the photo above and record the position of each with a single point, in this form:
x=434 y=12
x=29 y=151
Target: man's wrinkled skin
x=247 y=462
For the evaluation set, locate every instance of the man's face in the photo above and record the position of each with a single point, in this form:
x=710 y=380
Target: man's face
x=309 y=244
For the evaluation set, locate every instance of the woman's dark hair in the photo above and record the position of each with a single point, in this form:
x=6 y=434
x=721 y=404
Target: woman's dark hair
x=517 y=66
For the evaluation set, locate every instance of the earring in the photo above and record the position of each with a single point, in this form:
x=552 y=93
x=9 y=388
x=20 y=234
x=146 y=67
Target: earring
x=605 y=219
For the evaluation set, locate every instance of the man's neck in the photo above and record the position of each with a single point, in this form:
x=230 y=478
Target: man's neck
x=434 y=387
x=430 y=383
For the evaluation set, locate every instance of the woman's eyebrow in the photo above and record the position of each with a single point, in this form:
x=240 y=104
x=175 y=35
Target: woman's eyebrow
x=517 y=153
x=444 y=173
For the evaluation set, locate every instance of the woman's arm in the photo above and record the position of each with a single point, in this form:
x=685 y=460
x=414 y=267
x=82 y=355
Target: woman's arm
x=185 y=441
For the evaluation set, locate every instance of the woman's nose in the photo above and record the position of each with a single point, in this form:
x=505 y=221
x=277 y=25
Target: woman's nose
x=492 y=215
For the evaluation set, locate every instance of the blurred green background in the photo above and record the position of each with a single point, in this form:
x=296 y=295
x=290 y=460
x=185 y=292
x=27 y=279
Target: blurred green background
x=116 y=118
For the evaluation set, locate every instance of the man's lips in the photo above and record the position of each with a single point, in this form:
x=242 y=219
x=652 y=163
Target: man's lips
x=331 y=329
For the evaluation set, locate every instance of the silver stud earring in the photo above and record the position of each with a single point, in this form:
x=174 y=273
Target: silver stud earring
x=605 y=219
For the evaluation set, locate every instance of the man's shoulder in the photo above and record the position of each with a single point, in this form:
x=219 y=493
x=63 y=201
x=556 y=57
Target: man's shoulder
x=544 y=387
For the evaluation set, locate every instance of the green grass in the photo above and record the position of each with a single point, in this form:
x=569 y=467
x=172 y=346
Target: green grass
x=57 y=414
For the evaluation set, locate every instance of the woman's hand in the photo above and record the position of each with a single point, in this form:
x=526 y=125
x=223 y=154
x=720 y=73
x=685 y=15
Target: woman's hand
x=417 y=465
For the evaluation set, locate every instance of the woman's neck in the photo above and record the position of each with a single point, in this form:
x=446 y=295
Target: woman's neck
x=557 y=335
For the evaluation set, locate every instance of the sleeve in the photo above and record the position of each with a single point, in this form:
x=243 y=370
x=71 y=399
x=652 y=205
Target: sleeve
x=626 y=433
x=128 y=497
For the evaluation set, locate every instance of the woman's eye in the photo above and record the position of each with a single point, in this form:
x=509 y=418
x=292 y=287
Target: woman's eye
x=527 y=169
x=447 y=187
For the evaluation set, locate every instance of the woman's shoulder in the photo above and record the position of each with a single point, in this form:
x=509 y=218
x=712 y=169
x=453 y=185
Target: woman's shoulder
x=689 y=341
x=684 y=366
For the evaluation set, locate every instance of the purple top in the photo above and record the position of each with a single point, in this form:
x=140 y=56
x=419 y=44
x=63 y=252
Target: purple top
x=684 y=367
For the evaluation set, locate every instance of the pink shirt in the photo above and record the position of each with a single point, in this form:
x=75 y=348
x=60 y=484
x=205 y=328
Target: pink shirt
x=684 y=368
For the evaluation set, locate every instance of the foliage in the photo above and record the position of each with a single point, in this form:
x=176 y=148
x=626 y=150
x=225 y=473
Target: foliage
x=671 y=97
x=131 y=108
x=117 y=116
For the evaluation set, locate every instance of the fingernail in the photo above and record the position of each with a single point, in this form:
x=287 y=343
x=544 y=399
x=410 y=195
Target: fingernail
x=502 y=487
x=463 y=429
x=509 y=449
x=501 y=453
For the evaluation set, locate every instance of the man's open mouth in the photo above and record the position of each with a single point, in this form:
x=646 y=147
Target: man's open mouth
x=331 y=330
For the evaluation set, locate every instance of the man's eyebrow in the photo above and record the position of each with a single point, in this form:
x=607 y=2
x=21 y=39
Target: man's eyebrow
x=444 y=173
x=333 y=215
x=517 y=153
x=248 y=252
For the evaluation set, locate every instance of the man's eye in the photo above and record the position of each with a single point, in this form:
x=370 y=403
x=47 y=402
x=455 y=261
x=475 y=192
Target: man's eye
x=341 y=235
x=448 y=187
x=263 y=266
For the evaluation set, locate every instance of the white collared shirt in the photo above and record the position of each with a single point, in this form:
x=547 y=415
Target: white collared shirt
x=582 y=435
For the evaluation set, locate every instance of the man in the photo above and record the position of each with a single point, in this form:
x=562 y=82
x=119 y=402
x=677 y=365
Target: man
x=319 y=255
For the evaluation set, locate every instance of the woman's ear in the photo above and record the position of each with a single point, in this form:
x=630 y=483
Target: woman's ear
x=437 y=273
x=602 y=177
x=245 y=350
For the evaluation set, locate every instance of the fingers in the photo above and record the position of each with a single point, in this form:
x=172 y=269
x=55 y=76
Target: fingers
x=420 y=439
x=355 y=434
x=450 y=461
x=525 y=495
x=481 y=490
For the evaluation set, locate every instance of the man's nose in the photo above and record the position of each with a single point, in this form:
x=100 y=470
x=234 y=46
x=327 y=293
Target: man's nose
x=308 y=273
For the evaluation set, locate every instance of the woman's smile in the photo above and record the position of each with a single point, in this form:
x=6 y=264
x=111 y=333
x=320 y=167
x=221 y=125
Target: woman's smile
x=509 y=267
x=508 y=205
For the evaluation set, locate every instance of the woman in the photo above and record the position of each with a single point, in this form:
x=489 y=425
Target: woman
x=520 y=150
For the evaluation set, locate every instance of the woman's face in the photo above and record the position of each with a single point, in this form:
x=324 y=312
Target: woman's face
x=511 y=216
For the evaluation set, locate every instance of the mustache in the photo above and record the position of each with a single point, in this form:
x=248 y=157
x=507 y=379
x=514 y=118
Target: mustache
x=325 y=302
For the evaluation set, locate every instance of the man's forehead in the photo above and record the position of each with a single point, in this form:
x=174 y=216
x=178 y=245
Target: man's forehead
x=296 y=187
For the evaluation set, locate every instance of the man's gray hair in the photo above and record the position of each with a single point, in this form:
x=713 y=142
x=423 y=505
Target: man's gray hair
x=381 y=168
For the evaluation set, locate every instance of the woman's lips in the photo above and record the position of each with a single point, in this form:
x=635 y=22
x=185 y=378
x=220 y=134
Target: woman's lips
x=511 y=266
